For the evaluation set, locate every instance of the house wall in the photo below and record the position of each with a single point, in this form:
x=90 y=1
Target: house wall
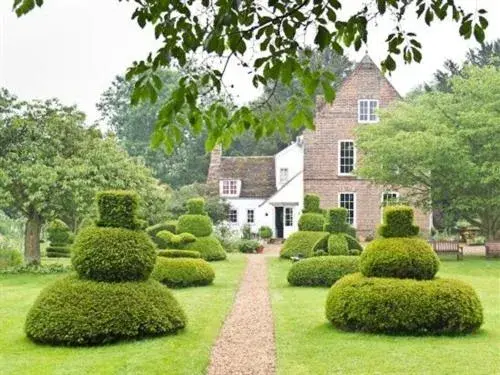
x=292 y=158
x=242 y=205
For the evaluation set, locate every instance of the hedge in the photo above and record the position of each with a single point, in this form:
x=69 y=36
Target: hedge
x=398 y=222
x=153 y=230
x=10 y=257
x=58 y=233
x=198 y=225
x=118 y=209
x=322 y=270
x=183 y=272
x=174 y=253
x=304 y=243
x=113 y=254
x=393 y=306
x=337 y=244
x=209 y=247
x=400 y=258
x=311 y=222
x=75 y=311
x=353 y=243
x=196 y=206
x=57 y=252
x=311 y=204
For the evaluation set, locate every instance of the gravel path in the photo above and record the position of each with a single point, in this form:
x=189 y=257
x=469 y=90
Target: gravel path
x=246 y=345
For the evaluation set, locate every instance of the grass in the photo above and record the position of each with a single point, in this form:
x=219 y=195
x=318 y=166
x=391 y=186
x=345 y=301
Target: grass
x=308 y=344
x=186 y=353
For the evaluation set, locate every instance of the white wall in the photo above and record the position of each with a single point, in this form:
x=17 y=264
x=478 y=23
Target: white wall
x=242 y=205
x=292 y=158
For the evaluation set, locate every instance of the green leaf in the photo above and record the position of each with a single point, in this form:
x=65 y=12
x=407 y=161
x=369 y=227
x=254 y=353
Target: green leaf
x=288 y=29
x=328 y=91
x=479 y=33
x=322 y=38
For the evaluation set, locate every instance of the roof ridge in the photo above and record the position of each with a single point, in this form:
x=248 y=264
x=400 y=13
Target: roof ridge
x=248 y=157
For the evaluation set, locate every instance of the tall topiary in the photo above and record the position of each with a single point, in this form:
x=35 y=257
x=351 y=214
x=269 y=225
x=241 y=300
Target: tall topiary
x=311 y=204
x=111 y=297
x=59 y=236
x=342 y=234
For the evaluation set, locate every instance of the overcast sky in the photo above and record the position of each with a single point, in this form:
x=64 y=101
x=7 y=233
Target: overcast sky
x=72 y=49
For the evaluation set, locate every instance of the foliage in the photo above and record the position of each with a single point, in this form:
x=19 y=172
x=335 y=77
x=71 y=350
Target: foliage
x=209 y=247
x=196 y=206
x=118 y=209
x=174 y=253
x=304 y=243
x=398 y=222
x=337 y=244
x=37 y=269
x=265 y=232
x=352 y=243
x=58 y=233
x=183 y=272
x=442 y=147
x=381 y=305
x=9 y=257
x=321 y=270
x=198 y=225
x=75 y=311
x=248 y=246
x=336 y=220
x=57 y=251
x=113 y=254
x=399 y=257
x=153 y=230
x=175 y=241
x=313 y=222
x=311 y=204
x=227 y=236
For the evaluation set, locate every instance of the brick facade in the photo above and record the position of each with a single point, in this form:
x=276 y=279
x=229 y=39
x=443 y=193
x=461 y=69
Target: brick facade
x=335 y=122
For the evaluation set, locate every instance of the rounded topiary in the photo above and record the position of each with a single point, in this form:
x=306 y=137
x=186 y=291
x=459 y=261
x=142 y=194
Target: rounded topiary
x=304 y=244
x=337 y=244
x=265 y=232
x=209 y=247
x=175 y=241
x=399 y=257
x=385 y=305
x=336 y=220
x=118 y=209
x=198 y=225
x=398 y=222
x=183 y=272
x=113 y=254
x=196 y=206
x=153 y=230
x=311 y=222
x=174 y=253
x=322 y=270
x=75 y=311
x=60 y=238
x=311 y=204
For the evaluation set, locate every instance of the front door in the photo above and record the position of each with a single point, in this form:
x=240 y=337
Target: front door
x=278 y=217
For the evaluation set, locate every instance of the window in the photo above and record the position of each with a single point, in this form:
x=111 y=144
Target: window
x=347 y=157
x=250 y=217
x=288 y=216
x=367 y=110
x=283 y=175
x=229 y=187
x=233 y=216
x=347 y=200
x=388 y=198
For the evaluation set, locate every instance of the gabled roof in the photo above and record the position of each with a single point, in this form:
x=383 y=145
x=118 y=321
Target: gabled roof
x=281 y=188
x=257 y=174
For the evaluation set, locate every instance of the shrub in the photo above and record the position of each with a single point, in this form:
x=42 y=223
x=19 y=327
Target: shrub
x=179 y=254
x=209 y=248
x=265 y=232
x=183 y=272
x=399 y=257
x=58 y=233
x=336 y=221
x=196 y=206
x=75 y=311
x=304 y=243
x=398 y=222
x=246 y=232
x=113 y=254
x=228 y=237
x=248 y=246
x=393 y=306
x=38 y=269
x=57 y=252
x=153 y=231
x=118 y=209
x=322 y=270
x=350 y=230
x=311 y=204
x=175 y=241
x=354 y=252
x=198 y=225
x=337 y=244
x=187 y=237
x=9 y=257
x=311 y=222
x=352 y=243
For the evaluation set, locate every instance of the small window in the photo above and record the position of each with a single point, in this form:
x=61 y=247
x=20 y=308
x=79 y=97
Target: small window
x=347 y=200
x=288 y=216
x=367 y=110
x=250 y=216
x=229 y=187
x=283 y=175
x=347 y=157
x=233 y=216
x=388 y=198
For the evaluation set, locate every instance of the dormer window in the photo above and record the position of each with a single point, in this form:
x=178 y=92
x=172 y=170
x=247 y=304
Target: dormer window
x=229 y=188
x=367 y=110
x=283 y=175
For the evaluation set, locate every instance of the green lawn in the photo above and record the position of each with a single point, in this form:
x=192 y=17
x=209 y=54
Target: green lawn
x=186 y=353
x=308 y=344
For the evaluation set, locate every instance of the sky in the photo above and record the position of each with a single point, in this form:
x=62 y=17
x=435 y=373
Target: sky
x=72 y=49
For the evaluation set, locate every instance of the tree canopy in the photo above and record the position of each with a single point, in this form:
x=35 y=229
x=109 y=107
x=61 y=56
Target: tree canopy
x=443 y=147
x=272 y=40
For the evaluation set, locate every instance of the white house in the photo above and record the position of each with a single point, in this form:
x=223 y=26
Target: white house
x=262 y=190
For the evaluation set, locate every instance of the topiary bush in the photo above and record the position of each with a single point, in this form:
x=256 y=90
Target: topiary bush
x=209 y=247
x=74 y=311
x=336 y=220
x=198 y=225
x=153 y=230
x=311 y=204
x=118 y=209
x=304 y=244
x=398 y=222
x=265 y=232
x=183 y=272
x=352 y=243
x=196 y=206
x=173 y=253
x=394 y=306
x=311 y=222
x=337 y=244
x=322 y=270
x=60 y=238
x=411 y=258
x=175 y=241
x=9 y=257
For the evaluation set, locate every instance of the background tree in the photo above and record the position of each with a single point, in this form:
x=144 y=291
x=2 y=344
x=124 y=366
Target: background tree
x=443 y=147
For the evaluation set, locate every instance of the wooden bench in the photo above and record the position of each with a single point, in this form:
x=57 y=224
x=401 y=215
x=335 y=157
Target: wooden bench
x=492 y=249
x=448 y=247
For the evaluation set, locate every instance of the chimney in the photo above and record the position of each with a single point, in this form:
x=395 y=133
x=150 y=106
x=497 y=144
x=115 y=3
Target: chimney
x=214 y=169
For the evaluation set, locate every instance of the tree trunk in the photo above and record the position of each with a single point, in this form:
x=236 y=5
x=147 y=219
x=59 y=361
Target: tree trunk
x=32 y=239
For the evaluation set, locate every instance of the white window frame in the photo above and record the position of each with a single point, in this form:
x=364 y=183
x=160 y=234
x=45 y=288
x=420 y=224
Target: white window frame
x=339 y=160
x=288 y=209
x=368 y=120
x=354 y=216
x=396 y=193
x=229 y=216
x=250 y=210
x=230 y=192
x=281 y=179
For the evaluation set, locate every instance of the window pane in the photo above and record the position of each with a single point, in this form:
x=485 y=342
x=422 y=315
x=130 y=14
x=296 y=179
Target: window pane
x=346 y=200
x=283 y=175
x=346 y=161
x=250 y=216
x=233 y=216
x=288 y=217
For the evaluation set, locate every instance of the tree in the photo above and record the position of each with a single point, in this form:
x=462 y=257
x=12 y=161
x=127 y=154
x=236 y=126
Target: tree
x=443 y=147
x=269 y=39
